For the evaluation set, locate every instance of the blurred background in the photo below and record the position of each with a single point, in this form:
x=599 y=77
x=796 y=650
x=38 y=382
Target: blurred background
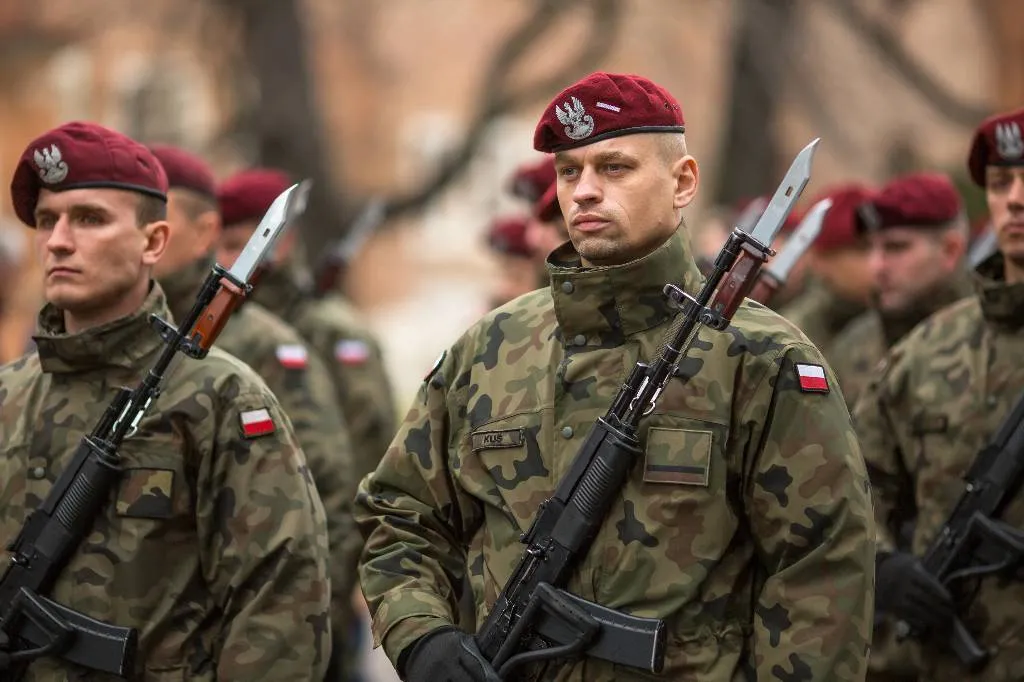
x=427 y=106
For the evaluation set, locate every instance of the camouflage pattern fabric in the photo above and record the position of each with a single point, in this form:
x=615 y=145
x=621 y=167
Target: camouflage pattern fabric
x=941 y=394
x=214 y=545
x=301 y=382
x=863 y=343
x=821 y=315
x=747 y=526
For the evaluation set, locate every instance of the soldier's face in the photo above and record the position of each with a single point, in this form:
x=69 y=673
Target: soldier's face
x=544 y=237
x=845 y=272
x=516 y=276
x=623 y=197
x=194 y=228
x=908 y=264
x=1004 y=190
x=95 y=257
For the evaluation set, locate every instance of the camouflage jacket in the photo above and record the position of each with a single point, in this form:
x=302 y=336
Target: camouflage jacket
x=759 y=555
x=943 y=391
x=333 y=328
x=214 y=545
x=820 y=315
x=301 y=383
x=862 y=344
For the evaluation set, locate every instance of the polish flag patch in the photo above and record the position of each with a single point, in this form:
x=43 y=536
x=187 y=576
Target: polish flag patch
x=257 y=423
x=351 y=352
x=292 y=356
x=812 y=378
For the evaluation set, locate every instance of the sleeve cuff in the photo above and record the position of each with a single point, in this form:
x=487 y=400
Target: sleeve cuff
x=405 y=632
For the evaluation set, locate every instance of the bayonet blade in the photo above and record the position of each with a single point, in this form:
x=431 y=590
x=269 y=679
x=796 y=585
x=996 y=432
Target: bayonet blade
x=288 y=206
x=779 y=267
x=368 y=220
x=748 y=218
x=785 y=197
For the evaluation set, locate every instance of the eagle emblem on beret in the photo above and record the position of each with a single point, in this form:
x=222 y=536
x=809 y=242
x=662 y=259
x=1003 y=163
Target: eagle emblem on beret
x=1008 y=140
x=52 y=167
x=578 y=123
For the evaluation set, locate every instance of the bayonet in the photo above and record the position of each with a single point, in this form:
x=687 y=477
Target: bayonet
x=785 y=197
x=286 y=207
x=779 y=267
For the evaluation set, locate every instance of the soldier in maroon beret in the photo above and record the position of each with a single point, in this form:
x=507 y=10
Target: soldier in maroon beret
x=916 y=235
x=837 y=261
x=209 y=597
x=531 y=180
x=517 y=270
x=748 y=532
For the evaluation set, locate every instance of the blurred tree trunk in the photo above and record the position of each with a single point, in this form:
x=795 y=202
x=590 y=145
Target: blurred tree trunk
x=1006 y=26
x=749 y=158
x=285 y=120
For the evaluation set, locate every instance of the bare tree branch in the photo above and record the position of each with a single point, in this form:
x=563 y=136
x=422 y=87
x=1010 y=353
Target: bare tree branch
x=914 y=74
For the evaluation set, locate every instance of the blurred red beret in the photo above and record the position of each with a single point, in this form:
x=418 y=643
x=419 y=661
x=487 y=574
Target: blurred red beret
x=531 y=179
x=916 y=199
x=77 y=155
x=185 y=170
x=508 y=235
x=997 y=142
x=248 y=194
x=547 y=207
x=605 y=105
x=839 y=228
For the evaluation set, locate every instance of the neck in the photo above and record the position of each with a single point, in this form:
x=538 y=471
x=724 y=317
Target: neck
x=1014 y=272
x=75 y=322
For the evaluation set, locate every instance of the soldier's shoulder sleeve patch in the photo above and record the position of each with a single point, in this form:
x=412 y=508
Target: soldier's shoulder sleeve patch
x=292 y=355
x=351 y=352
x=811 y=378
x=256 y=423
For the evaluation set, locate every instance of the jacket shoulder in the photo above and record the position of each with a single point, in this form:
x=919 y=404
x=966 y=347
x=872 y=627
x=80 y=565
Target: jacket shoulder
x=530 y=316
x=762 y=326
x=220 y=371
x=18 y=375
x=337 y=315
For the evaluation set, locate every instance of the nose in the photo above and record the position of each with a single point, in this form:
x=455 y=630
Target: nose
x=587 y=189
x=60 y=238
x=1016 y=195
x=876 y=263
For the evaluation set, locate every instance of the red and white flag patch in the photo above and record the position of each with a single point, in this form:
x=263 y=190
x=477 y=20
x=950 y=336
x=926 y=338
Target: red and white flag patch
x=292 y=356
x=257 y=423
x=351 y=352
x=812 y=378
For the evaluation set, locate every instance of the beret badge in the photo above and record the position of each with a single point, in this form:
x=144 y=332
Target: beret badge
x=578 y=123
x=52 y=167
x=1008 y=140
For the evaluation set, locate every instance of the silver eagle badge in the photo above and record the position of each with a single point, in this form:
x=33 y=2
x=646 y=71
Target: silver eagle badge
x=578 y=123
x=1008 y=141
x=52 y=167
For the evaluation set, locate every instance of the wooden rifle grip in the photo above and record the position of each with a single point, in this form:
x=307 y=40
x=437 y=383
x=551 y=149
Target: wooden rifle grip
x=213 y=320
x=764 y=289
x=738 y=282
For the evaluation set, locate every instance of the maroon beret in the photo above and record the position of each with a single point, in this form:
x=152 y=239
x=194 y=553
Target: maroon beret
x=531 y=179
x=185 y=170
x=77 y=155
x=839 y=228
x=917 y=199
x=508 y=235
x=604 y=105
x=248 y=194
x=547 y=207
x=997 y=142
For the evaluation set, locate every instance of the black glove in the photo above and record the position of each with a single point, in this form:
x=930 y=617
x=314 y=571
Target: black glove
x=5 y=658
x=447 y=655
x=908 y=592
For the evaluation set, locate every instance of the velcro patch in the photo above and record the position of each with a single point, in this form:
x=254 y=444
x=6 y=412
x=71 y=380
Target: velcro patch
x=146 y=494
x=923 y=424
x=292 y=356
x=811 y=378
x=257 y=423
x=679 y=456
x=351 y=352
x=486 y=440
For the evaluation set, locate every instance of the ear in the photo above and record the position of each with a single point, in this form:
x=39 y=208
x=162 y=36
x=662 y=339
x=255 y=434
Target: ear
x=207 y=232
x=954 y=247
x=155 y=235
x=687 y=178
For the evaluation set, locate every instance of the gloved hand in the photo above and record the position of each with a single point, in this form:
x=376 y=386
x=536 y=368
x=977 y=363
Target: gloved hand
x=5 y=658
x=447 y=655
x=908 y=592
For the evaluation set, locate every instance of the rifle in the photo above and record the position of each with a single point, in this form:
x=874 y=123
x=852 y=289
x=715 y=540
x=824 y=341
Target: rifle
x=775 y=274
x=35 y=625
x=339 y=257
x=973 y=542
x=744 y=221
x=534 y=619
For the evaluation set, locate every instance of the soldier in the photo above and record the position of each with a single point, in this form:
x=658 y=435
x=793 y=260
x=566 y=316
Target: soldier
x=215 y=545
x=760 y=563
x=917 y=238
x=531 y=180
x=838 y=262
x=328 y=324
x=270 y=346
x=940 y=395
x=517 y=271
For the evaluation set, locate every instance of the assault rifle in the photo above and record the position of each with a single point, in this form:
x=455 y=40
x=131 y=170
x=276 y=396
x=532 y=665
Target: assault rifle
x=776 y=272
x=37 y=626
x=974 y=543
x=534 y=619
x=341 y=255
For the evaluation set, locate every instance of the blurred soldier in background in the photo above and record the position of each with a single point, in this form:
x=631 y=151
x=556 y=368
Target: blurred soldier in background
x=517 y=269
